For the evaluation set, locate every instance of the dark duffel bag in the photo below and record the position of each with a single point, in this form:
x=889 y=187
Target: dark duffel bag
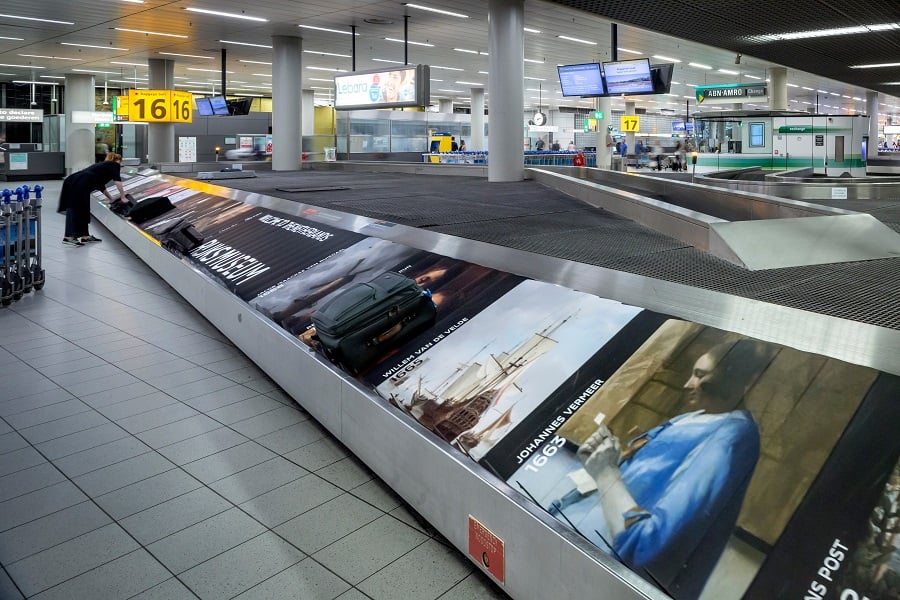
x=149 y=208
x=362 y=323
x=180 y=236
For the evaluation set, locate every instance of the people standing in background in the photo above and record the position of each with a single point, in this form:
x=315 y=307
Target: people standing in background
x=623 y=151
x=462 y=145
x=681 y=160
x=101 y=149
x=454 y=147
x=540 y=144
x=579 y=160
x=555 y=146
x=571 y=147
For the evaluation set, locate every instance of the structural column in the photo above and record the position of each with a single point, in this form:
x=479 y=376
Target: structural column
x=79 y=136
x=477 y=139
x=286 y=130
x=445 y=105
x=161 y=136
x=604 y=152
x=778 y=88
x=872 y=111
x=629 y=135
x=506 y=80
x=307 y=112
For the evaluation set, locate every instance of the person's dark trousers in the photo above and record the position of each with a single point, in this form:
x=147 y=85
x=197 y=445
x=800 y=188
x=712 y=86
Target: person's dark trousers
x=77 y=219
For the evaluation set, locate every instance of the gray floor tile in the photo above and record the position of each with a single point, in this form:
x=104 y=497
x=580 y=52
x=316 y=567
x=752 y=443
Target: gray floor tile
x=29 y=480
x=64 y=561
x=228 y=364
x=86 y=461
x=145 y=360
x=307 y=580
x=126 y=350
x=246 y=373
x=170 y=411
x=100 y=372
x=120 y=578
x=244 y=409
x=137 y=406
x=174 y=380
x=202 y=445
x=270 y=421
x=261 y=385
x=325 y=524
x=162 y=369
x=71 y=366
x=346 y=473
x=82 y=440
x=424 y=573
x=27 y=385
x=42 y=362
x=314 y=456
x=23 y=458
x=12 y=441
x=44 y=414
x=290 y=500
x=8 y=590
x=119 y=394
x=218 y=354
x=353 y=594
x=124 y=473
x=211 y=401
x=292 y=437
x=190 y=547
x=147 y=493
x=476 y=586
x=170 y=589
x=378 y=494
x=65 y=426
x=174 y=515
x=228 y=462
x=101 y=385
x=242 y=567
x=48 y=531
x=200 y=387
x=282 y=397
x=180 y=430
x=369 y=549
x=33 y=401
x=406 y=515
x=51 y=347
x=259 y=479
x=4 y=426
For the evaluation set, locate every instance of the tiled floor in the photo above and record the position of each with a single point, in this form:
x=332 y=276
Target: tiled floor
x=143 y=456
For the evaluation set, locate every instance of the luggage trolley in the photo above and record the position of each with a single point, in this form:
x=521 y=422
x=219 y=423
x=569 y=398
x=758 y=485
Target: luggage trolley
x=31 y=234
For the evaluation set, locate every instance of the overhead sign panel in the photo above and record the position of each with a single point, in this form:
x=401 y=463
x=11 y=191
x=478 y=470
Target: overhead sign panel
x=723 y=94
x=160 y=106
x=21 y=115
x=394 y=88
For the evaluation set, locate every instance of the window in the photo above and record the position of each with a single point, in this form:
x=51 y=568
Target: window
x=757 y=135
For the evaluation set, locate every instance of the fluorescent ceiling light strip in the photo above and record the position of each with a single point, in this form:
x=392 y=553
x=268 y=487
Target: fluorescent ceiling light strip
x=134 y=1
x=132 y=80
x=411 y=43
x=2 y=16
x=450 y=91
x=244 y=44
x=815 y=33
x=325 y=29
x=438 y=80
x=50 y=57
x=49 y=76
x=807 y=88
x=447 y=68
x=35 y=82
x=328 y=53
x=580 y=41
x=628 y=51
x=21 y=66
x=185 y=55
x=536 y=78
x=728 y=72
x=876 y=66
x=175 y=35
x=93 y=46
x=533 y=60
x=94 y=71
x=667 y=58
x=261 y=74
x=437 y=10
x=699 y=66
x=386 y=60
x=115 y=62
x=255 y=62
x=529 y=30
x=469 y=83
x=755 y=77
x=219 y=13
x=327 y=69
x=3 y=37
x=315 y=79
x=466 y=50
x=207 y=70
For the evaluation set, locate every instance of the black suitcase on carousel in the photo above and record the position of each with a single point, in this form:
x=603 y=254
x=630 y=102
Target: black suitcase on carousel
x=180 y=237
x=149 y=208
x=367 y=319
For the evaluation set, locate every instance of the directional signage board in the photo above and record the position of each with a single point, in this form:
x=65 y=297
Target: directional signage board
x=21 y=115
x=160 y=106
x=630 y=123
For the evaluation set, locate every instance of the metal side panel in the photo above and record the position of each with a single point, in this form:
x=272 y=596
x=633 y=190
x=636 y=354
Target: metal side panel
x=543 y=558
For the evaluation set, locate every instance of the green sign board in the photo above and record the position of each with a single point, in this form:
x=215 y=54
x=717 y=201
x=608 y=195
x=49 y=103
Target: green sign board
x=598 y=114
x=731 y=92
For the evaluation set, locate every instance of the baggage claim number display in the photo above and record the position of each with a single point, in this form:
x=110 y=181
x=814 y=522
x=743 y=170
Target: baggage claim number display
x=160 y=106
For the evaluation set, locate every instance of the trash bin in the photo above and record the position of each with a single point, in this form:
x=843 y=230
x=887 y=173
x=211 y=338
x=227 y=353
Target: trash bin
x=330 y=154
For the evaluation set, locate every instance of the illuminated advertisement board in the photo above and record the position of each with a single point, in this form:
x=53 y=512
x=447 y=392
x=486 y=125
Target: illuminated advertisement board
x=394 y=88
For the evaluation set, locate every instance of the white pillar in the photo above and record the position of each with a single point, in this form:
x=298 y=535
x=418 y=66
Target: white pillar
x=872 y=111
x=161 y=136
x=778 y=88
x=629 y=136
x=308 y=111
x=286 y=69
x=477 y=138
x=506 y=81
x=604 y=152
x=79 y=136
x=445 y=105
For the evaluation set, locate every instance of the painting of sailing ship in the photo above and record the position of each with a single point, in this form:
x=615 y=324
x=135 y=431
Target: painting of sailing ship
x=504 y=362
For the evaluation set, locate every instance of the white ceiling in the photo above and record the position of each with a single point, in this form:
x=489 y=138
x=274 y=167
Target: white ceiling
x=95 y=20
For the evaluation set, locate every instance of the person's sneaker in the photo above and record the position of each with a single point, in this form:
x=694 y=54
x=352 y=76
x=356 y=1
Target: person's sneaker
x=89 y=238
x=71 y=242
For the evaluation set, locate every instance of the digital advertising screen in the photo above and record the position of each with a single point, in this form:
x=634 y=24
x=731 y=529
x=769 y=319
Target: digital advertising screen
x=204 y=108
x=219 y=105
x=394 y=88
x=628 y=77
x=581 y=80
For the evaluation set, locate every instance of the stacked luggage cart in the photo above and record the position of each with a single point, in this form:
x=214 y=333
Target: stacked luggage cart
x=20 y=232
x=533 y=158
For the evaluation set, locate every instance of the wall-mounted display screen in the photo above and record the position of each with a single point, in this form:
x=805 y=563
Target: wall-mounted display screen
x=680 y=126
x=219 y=105
x=628 y=77
x=757 y=135
x=395 y=88
x=204 y=108
x=581 y=80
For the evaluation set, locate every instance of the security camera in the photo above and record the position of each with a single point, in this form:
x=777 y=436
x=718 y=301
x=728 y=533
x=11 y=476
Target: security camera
x=737 y=58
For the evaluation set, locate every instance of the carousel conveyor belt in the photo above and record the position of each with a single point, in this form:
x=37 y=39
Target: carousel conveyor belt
x=526 y=215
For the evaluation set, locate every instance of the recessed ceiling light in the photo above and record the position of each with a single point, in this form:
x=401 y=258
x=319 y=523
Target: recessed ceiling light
x=469 y=83
x=21 y=66
x=316 y=79
x=626 y=50
x=815 y=33
x=320 y=53
x=728 y=72
x=699 y=66
x=255 y=62
x=225 y=14
x=466 y=50
x=535 y=78
x=244 y=44
x=94 y=71
x=114 y=62
x=327 y=69
x=529 y=30
x=580 y=41
x=93 y=46
x=261 y=74
x=326 y=29
x=533 y=60
x=666 y=58
x=50 y=57
x=175 y=35
x=185 y=55
x=207 y=70
x=385 y=60
x=437 y=10
x=755 y=77
x=875 y=66
x=446 y=68
x=36 y=82
x=409 y=42
x=3 y=37
x=51 y=76
x=35 y=19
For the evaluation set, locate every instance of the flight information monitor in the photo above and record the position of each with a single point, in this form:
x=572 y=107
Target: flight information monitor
x=581 y=80
x=628 y=77
x=204 y=109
